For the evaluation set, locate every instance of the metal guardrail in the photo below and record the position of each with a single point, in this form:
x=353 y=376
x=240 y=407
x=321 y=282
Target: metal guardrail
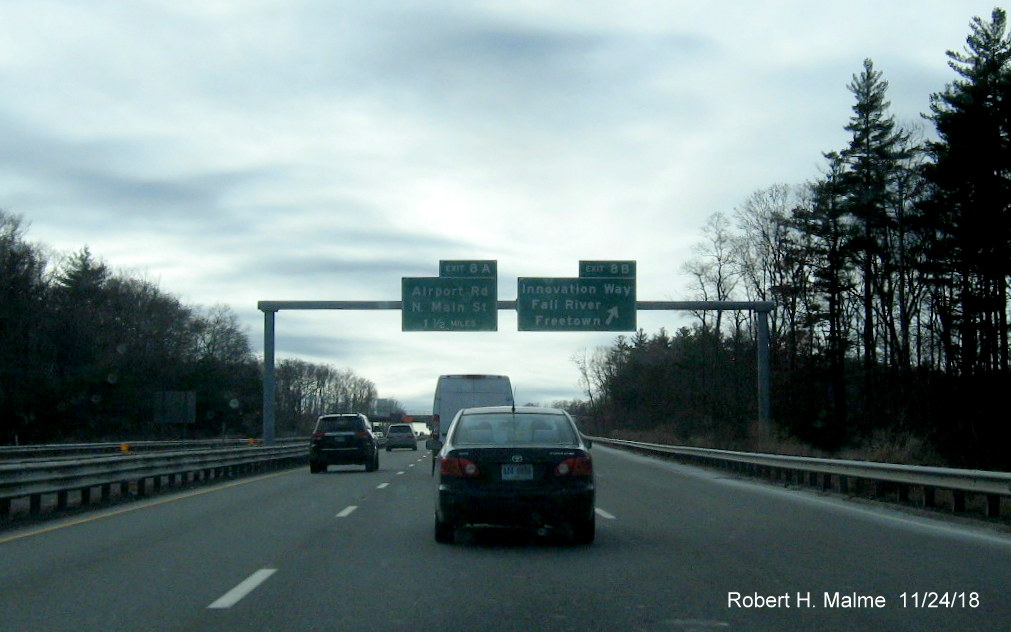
x=13 y=452
x=844 y=476
x=134 y=473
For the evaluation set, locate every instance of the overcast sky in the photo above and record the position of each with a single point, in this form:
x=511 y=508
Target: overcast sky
x=243 y=150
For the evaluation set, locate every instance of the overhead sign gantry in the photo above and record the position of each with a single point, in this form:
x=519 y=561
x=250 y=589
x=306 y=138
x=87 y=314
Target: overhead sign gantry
x=464 y=297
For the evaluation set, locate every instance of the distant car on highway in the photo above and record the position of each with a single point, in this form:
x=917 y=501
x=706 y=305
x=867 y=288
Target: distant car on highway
x=343 y=439
x=516 y=466
x=401 y=436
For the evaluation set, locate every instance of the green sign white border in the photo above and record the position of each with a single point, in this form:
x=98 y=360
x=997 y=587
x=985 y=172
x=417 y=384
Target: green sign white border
x=579 y=304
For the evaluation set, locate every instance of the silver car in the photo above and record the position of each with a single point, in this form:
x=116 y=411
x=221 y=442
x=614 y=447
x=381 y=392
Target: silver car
x=401 y=436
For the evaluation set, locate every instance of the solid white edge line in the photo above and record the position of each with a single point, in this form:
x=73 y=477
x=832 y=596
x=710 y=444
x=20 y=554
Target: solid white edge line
x=247 y=586
x=347 y=511
x=604 y=514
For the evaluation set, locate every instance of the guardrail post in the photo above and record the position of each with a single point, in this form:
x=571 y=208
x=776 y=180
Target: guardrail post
x=958 y=501
x=992 y=506
x=928 y=497
x=5 y=507
x=35 y=504
x=61 y=499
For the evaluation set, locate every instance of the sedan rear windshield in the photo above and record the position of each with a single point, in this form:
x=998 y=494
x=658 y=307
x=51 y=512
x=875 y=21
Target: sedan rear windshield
x=401 y=430
x=339 y=424
x=513 y=428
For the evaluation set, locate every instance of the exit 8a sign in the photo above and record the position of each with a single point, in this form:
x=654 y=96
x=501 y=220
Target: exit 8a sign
x=464 y=297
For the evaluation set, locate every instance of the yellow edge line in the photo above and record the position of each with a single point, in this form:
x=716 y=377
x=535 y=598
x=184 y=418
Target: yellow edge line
x=154 y=503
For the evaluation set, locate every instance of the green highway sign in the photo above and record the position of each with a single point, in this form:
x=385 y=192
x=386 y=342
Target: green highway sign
x=576 y=304
x=468 y=269
x=463 y=298
x=607 y=269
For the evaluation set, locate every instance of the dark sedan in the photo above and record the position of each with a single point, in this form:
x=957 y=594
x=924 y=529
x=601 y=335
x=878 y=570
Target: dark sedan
x=518 y=467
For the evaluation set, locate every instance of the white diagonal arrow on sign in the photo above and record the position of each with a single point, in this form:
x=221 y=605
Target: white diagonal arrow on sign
x=611 y=315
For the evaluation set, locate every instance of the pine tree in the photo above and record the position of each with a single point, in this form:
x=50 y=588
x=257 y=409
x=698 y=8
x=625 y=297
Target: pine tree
x=968 y=211
x=23 y=374
x=967 y=214
x=873 y=161
x=831 y=235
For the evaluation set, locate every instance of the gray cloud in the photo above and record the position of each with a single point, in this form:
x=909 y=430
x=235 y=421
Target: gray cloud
x=324 y=347
x=248 y=151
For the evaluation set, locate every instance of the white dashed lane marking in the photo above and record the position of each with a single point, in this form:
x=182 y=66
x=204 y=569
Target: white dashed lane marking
x=247 y=586
x=604 y=514
x=347 y=511
x=382 y=485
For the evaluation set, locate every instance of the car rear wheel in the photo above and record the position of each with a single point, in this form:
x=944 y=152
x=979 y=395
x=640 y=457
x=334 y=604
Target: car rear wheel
x=443 y=532
x=316 y=468
x=584 y=531
x=373 y=465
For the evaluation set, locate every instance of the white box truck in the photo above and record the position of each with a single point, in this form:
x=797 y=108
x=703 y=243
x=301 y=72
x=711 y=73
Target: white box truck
x=456 y=392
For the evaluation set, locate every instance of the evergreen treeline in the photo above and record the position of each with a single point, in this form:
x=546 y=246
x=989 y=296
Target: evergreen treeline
x=84 y=351
x=890 y=272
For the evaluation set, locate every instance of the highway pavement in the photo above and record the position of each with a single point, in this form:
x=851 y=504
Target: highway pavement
x=678 y=548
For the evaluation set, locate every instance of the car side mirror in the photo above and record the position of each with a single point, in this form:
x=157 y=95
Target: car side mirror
x=433 y=444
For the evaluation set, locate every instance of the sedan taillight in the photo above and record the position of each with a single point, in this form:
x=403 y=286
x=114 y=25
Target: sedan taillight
x=317 y=435
x=576 y=466
x=457 y=466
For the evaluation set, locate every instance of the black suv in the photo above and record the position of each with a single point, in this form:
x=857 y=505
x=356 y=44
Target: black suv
x=342 y=439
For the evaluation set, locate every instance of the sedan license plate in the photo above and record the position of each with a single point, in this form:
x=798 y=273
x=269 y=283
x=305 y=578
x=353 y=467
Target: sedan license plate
x=511 y=472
